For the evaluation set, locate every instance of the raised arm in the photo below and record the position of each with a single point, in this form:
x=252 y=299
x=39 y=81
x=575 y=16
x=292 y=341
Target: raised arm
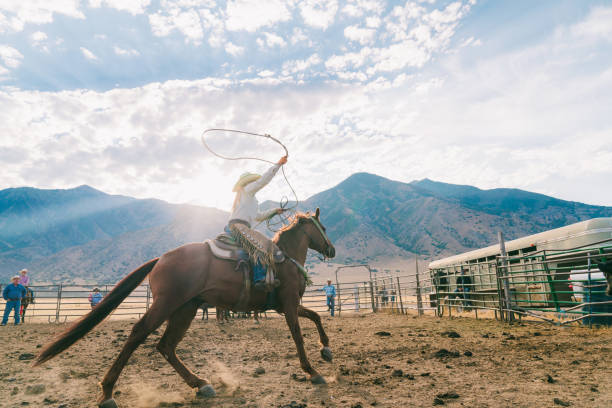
x=262 y=216
x=257 y=185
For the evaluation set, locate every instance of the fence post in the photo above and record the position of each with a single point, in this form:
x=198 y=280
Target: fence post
x=418 y=289
x=399 y=293
x=148 y=296
x=372 y=296
x=339 y=297
x=59 y=302
x=590 y=300
x=507 y=301
x=550 y=281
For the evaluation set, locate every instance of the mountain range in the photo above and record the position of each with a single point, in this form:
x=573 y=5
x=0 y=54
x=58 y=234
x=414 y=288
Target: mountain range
x=83 y=234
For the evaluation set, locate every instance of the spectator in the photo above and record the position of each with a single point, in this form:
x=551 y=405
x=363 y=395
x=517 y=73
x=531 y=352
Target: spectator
x=330 y=292
x=95 y=297
x=13 y=294
x=24 y=279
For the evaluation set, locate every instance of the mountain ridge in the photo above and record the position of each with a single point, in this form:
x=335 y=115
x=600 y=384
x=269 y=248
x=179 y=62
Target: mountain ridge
x=86 y=233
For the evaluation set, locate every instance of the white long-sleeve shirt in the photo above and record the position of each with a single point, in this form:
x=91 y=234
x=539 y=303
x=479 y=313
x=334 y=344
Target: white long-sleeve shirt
x=247 y=207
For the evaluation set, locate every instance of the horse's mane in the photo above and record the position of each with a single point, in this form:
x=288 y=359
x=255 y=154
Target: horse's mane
x=295 y=221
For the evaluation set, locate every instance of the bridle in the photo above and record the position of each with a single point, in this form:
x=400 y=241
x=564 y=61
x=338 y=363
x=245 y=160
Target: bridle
x=323 y=234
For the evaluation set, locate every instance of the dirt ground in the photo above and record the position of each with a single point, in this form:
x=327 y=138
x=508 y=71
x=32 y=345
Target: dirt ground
x=379 y=360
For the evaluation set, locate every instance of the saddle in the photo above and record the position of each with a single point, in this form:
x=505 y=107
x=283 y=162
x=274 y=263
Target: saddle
x=226 y=247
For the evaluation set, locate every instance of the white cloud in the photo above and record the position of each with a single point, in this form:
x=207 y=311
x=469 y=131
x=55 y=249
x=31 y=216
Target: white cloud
x=353 y=59
x=10 y=56
x=125 y=53
x=213 y=21
x=294 y=66
x=361 y=35
x=187 y=22
x=271 y=40
x=38 y=39
x=38 y=36
x=266 y=73
x=131 y=6
x=318 y=13
x=358 y=8
x=471 y=42
x=250 y=15
x=598 y=24
x=88 y=54
x=233 y=49
x=298 y=36
x=513 y=119
x=14 y=15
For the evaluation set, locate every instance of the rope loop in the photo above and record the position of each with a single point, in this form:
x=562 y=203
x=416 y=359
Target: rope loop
x=283 y=220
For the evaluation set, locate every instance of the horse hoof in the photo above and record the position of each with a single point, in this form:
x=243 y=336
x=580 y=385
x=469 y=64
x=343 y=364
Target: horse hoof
x=318 y=379
x=109 y=403
x=326 y=354
x=206 y=391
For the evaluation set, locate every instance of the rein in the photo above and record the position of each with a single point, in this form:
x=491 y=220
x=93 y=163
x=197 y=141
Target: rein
x=323 y=234
x=284 y=200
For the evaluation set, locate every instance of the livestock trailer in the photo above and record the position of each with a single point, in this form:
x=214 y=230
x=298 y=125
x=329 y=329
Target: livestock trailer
x=535 y=270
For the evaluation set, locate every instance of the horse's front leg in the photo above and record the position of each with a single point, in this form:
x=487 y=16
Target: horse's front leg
x=316 y=319
x=291 y=316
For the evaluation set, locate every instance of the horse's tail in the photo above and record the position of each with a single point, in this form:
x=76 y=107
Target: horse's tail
x=82 y=326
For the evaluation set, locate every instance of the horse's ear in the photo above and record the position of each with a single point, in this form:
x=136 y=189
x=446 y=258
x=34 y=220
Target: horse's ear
x=317 y=212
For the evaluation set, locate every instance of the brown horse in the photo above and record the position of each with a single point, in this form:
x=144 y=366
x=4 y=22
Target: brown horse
x=184 y=278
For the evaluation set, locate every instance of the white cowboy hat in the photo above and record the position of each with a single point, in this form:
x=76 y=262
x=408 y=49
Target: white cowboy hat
x=245 y=178
x=16 y=277
x=23 y=270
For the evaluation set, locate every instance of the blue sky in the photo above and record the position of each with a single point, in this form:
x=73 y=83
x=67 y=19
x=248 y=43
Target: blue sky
x=115 y=94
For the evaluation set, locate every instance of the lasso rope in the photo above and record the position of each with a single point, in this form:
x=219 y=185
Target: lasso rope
x=284 y=200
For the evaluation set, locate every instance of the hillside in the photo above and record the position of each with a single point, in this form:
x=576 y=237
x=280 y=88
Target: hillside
x=83 y=233
x=370 y=216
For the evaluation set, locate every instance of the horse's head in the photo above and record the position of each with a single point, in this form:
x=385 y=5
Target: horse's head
x=309 y=226
x=319 y=241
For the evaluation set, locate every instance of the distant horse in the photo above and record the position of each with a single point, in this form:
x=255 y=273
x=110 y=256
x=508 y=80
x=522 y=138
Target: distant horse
x=606 y=268
x=184 y=278
x=222 y=315
x=25 y=302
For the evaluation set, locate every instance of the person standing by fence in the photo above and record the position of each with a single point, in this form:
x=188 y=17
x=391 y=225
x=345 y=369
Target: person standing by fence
x=330 y=293
x=24 y=279
x=95 y=297
x=13 y=294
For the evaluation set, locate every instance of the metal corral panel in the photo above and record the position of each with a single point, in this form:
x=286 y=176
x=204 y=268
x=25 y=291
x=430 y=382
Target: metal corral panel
x=572 y=236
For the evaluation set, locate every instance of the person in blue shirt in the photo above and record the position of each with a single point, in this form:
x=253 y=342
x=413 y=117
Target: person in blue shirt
x=330 y=293
x=13 y=294
x=95 y=297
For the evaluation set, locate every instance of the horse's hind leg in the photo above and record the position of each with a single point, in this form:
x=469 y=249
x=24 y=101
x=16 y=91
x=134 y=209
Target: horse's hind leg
x=178 y=324
x=316 y=319
x=151 y=320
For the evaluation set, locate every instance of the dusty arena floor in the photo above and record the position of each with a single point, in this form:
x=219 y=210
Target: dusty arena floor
x=415 y=362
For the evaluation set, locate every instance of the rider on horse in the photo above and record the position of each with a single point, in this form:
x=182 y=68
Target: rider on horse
x=245 y=210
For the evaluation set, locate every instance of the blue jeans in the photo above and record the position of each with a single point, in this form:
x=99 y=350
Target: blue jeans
x=259 y=273
x=331 y=302
x=10 y=305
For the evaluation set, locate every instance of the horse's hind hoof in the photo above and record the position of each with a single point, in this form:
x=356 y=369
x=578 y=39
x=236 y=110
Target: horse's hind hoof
x=326 y=354
x=206 y=391
x=318 y=379
x=109 y=403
